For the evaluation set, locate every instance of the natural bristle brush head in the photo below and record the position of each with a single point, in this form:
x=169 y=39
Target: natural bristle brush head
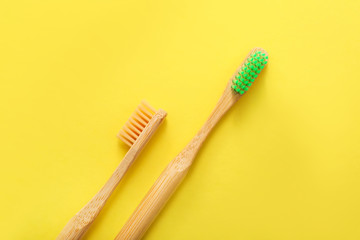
x=249 y=70
x=136 y=123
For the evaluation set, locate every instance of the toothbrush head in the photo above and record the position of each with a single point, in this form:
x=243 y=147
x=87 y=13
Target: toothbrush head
x=249 y=70
x=136 y=123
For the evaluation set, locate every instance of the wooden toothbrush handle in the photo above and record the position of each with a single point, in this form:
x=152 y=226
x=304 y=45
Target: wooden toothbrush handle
x=166 y=183
x=152 y=203
x=80 y=223
x=172 y=176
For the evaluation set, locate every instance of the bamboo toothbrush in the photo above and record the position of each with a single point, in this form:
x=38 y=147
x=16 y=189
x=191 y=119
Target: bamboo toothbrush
x=177 y=169
x=136 y=133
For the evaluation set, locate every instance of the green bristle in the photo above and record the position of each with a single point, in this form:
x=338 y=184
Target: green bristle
x=250 y=70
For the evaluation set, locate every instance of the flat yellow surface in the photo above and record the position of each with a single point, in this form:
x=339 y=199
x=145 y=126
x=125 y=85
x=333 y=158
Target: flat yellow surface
x=284 y=163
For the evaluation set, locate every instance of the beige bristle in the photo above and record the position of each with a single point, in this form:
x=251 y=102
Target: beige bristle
x=146 y=104
x=146 y=112
x=127 y=142
x=142 y=115
x=134 y=129
x=136 y=123
x=139 y=119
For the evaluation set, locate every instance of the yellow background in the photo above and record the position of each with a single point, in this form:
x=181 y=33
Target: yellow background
x=282 y=164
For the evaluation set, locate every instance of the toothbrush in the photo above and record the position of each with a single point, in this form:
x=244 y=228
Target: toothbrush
x=177 y=169
x=136 y=133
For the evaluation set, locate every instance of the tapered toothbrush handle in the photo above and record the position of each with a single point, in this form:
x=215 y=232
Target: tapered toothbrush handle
x=81 y=222
x=172 y=176
x=152 y=203
x=78 y=225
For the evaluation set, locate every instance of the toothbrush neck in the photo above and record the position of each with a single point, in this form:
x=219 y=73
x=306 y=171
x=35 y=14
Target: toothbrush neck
x=227 y=100
x=185 y=158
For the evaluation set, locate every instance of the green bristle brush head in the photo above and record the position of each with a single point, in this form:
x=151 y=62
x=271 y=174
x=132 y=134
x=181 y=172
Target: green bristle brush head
x=249 y=71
